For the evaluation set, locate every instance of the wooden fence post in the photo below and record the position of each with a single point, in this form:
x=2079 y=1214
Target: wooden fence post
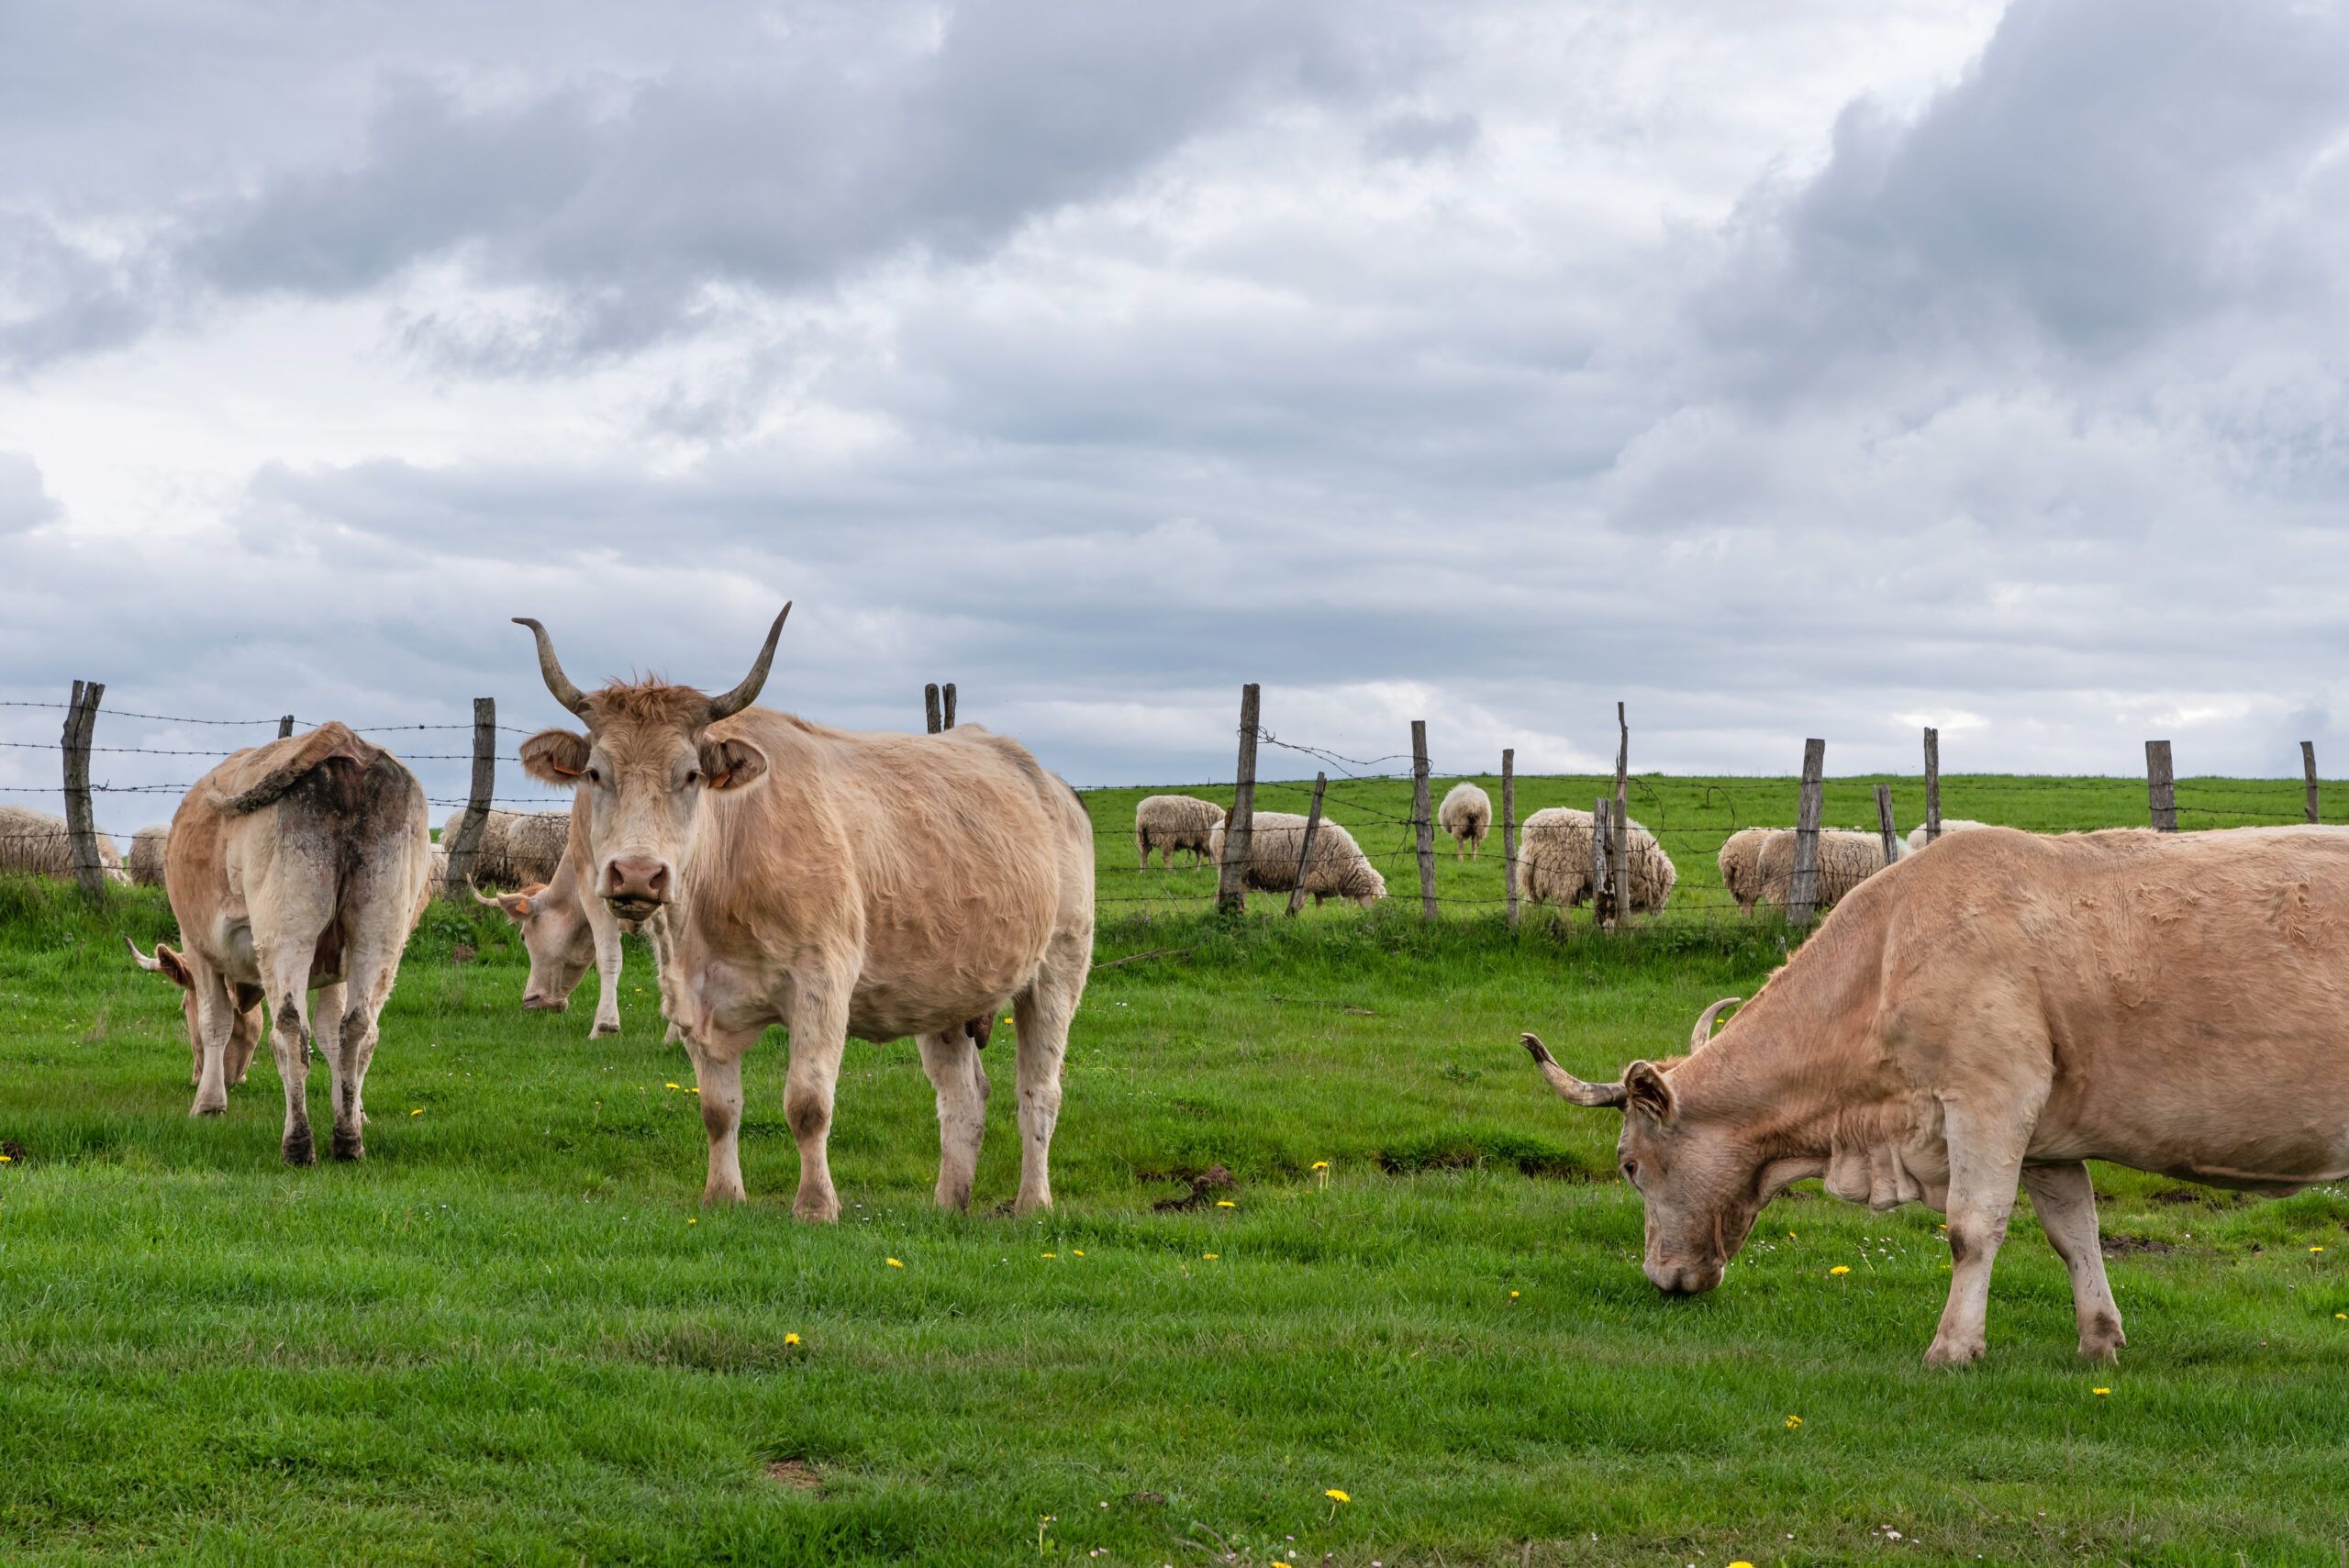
x=80 y=827
x=2161 y=788
x=1422 y=816
x=1618 y=859
x=1802 y=898
x=1884 y=823
x=946 y=704
x=1601 y=879
x=1933 y=783
x=1508 y=830
x=1238 y=828
x=286 y=726
x=470 y=826
x=929 y=707
x=2307 y=767
x=1305 y=851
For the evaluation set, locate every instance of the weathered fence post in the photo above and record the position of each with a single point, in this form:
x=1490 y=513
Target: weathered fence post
x=80 y=827
x=1231 y=877
x=1602 y=879
x=1422 y=818
x=1305 y=849
x=1884 y=823
x=1802 y=897
x=929 y=707
x=286 y=726
x=2307 y=767
x=2161 y=788
x=946 y=704
x=1933 y=783
x=1508 y=830
x=467 y=845
x=1618 y=859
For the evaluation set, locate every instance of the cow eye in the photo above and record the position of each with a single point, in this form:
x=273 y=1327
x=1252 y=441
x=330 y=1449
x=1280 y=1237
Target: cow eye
x=594 y=776
x=1632 y=1172
x=693 y=777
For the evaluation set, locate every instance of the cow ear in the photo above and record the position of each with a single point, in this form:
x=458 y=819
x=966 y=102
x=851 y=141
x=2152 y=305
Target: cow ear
x=555 y=756
x=1646 y=1090
x=514 y=904
x=175 y=966
x=732 y=763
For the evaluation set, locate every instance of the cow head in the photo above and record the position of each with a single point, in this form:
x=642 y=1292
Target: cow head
x=555 y=934
x=1702 y=1179
x=244 y=1029
x=643 y=766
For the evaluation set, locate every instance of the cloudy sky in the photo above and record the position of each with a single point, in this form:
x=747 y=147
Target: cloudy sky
x=1819 y=368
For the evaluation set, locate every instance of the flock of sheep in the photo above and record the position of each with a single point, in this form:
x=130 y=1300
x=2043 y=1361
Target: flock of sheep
x=1554 y=853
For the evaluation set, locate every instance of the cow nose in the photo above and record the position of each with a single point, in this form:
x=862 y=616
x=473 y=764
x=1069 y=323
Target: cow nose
x=636 y=879
x=1683 y=1279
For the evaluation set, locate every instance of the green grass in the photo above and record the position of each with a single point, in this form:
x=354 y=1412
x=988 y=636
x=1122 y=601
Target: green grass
x=511 y=1335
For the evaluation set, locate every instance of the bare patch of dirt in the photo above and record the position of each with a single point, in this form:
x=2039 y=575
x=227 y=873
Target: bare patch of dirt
x=1204 y=1186
x=793 y=1473
x=461 y=952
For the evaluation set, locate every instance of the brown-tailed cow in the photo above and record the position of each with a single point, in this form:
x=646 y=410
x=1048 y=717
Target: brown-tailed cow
x=837 y=883
x=296 y=866
x=566 y=933
x=1996 y=1012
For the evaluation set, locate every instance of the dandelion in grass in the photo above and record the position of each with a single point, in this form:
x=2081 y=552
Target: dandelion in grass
x=893 y=1263
x=1210 y=1257
x=790 y=1341
x=1512 y=1296
x=1321 y=1173
x=1078 y=1252
x=2316 y=1249
x=2099 y=1393
x=2341 y=1314
x=668 y=1085
x=1839 y=1270
x=1794 y=1423
x=418 y=1111
x=1227 y=1203
x=1741 y=1563
x=1051 y=1254
x=1337 y=1499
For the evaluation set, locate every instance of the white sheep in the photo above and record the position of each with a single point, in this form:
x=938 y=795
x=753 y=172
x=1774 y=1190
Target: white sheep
x=38 y=842
x=146 y=863
x=1757 y=864
x=517 y=848
x=1170 y=822
x=1276 y=844
x=1949 y=825
x=1554 y=850
x=1467 y=815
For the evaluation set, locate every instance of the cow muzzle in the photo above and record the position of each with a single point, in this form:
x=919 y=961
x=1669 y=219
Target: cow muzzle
x=1684 y=1279
x=635 y=886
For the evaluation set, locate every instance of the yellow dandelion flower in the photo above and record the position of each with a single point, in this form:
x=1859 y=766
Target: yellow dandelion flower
x=1320 y=1165
x=1076 y=1252
x=7 y=1158
x=668 y=1085
x=1840 y=1269
x=2336 y=1315
x=1007 y=1017
x=693 y=1222
x=1210 y=1257
x=418 y=1111
x=791 y=1338
x=1792 y=1422
x=2316 y=1249
x=893 y=1263
x=1741 y=1563
x=1337 y=1496
x=1227 y=1203
x=1279 y=1563
x=1051 y=1254
x=692 y=1090
x=2099 y=1393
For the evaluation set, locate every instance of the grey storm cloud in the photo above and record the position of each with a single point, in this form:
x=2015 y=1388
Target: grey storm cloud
x=1484 y=366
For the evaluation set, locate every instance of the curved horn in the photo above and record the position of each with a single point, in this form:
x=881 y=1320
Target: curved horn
x=551 y=668
x=151 y=965
x=1570 y=1088
x=1702 y=1035
x=747 y=692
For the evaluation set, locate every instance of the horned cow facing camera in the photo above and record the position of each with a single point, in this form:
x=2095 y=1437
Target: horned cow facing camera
x=883 y=885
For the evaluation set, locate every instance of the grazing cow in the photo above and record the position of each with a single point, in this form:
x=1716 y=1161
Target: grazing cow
x=883 y=885
x=565 y=934
x=1999 y=1011
x=292 y=867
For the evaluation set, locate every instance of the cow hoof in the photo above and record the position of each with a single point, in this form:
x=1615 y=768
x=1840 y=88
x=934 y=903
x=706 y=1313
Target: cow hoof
x=298 y=1149
x=714 y=1195
x=2107 y=1352
x=349 y=1145
x=200 y=1108
x=825 y=1212
x=955 y=1200
x=1956 y=1352
x=602 y=1031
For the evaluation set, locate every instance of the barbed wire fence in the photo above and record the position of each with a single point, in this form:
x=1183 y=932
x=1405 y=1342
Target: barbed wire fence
x=1634 y=848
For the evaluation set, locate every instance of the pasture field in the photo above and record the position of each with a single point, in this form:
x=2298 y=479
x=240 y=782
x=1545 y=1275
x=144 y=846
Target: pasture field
x=511 y=1336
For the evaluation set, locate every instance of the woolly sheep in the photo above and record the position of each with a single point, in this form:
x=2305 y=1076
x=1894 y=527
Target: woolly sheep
x=1758 y=864
x=1276 y=841
x=38 y=842
x=1949 y=825
x=1170 y=822
x=1467 y=815
x=146 y=863
x=517 y=849
x=1554 y=848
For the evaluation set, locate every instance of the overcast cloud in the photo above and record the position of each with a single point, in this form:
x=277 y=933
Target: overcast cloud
x=1818 y=369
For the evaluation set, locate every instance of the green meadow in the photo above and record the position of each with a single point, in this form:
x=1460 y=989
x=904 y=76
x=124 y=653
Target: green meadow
x=1319 y=1227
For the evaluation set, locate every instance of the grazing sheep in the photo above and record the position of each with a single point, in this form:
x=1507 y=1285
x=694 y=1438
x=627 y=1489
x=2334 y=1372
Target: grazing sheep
x=1949 y=825
x=517 y=848
x=1555 y=848
x=38 y=842
x=1170 y=822
x=147 y=849
x=1276 y=842
x=1758 y=864
x=1467 y=815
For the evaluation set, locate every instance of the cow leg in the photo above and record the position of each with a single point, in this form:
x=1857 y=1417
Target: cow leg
x=331 y=1027
x=607 y=932
x=1043 y=1013
x=215 y=1017
x=818 y=1038
x=952 y=1062
x=242 y=1040
x=1985 y=1150
x=289 y=1040
x=2066 y=1201
x=717 y=1073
